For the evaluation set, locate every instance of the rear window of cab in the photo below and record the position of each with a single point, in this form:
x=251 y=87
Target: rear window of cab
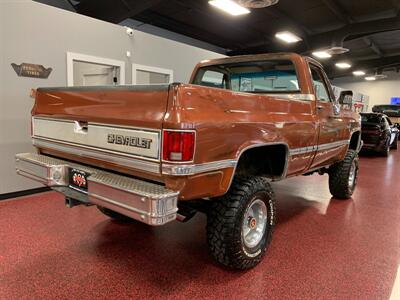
x=271 y=76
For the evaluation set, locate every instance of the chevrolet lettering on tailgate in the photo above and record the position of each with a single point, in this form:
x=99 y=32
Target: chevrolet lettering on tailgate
x=129 y=141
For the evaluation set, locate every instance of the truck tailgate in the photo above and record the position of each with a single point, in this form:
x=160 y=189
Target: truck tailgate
x=106 y=126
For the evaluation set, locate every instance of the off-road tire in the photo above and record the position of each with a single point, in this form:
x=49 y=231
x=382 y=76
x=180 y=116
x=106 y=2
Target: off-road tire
x=339 y=174
x=225 y=222
x=114 y=215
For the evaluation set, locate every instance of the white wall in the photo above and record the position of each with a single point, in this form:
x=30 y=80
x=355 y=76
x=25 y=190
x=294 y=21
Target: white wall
x=36 y=33
x=379 y=91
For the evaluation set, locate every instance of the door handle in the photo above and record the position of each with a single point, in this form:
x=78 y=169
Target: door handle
x=320 y=107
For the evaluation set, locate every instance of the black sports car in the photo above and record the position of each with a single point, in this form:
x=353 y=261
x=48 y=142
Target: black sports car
x=378 y=133
x=392 y=111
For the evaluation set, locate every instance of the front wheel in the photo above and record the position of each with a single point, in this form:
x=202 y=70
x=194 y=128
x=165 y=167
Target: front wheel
x=343 y=176
x=240 y=224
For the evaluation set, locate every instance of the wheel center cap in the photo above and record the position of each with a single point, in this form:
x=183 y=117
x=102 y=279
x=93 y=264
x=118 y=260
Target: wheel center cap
x=252 y=223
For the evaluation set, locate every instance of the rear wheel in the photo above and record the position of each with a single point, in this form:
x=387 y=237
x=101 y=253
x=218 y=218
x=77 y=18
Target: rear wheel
x=343 y=176
x=240 y=224
x=114 y=215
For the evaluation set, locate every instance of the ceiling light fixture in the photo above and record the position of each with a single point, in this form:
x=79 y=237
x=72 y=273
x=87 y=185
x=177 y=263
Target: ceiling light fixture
x=359 y=73
x=321 y=54
x=337 y=50
x=230 y=7
x=288 y=37
x=343 y=65
x=257 y=3
x=370 y=78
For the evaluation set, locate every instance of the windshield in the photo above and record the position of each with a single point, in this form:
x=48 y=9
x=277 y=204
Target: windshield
x=380 y=108
x=275 y=76
x=370 y=118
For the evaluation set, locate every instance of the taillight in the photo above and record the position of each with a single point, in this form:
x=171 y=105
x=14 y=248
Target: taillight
x=178 y=145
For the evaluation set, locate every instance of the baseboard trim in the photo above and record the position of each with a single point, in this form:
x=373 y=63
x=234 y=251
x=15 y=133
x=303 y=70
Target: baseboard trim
x=8 y=196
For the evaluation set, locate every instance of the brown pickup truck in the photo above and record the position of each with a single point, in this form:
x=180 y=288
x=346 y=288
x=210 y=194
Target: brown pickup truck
x=162 y=152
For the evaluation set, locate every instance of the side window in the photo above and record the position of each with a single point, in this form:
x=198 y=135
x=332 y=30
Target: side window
x=213 y=79
x=320 y=87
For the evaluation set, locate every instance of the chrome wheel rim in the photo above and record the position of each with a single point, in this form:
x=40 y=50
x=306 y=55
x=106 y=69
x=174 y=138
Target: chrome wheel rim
x=352 y=174
x=254 y=223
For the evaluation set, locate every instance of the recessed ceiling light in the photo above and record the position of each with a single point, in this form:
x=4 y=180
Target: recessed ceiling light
x=229 y=6
x=359 y=73
x=370 y=78
x=288 y=37
x=321 y=54
x=343 y=65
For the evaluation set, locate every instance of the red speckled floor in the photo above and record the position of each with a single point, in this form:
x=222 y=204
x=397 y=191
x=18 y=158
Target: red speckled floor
x=322 y=248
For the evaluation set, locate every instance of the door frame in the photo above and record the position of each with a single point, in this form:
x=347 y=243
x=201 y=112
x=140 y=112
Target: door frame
x=72 y=56
x=136 y=67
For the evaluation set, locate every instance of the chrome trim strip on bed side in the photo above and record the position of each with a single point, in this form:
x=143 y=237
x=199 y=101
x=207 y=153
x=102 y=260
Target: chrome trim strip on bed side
x=142 y=165
x=192 y=169
x=185 y=170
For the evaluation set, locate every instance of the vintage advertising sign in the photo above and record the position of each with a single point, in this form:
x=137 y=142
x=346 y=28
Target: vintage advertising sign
x=31 y=70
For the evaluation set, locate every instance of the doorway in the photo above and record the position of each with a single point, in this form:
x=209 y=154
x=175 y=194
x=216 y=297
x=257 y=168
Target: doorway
x=151 y=75
x=86 y=70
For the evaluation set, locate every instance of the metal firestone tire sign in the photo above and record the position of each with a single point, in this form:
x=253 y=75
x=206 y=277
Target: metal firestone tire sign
x=31 y=70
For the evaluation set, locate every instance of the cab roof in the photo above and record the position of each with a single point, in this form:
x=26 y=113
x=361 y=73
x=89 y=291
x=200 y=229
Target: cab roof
x=257 y=57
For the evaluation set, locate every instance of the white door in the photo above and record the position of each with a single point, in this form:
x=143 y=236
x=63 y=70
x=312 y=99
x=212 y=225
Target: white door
x=89 y=74
x=86 y=70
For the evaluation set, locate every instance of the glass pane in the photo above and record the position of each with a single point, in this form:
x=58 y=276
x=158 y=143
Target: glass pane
x=213 y=79
x=273 y=76
x=319 y=85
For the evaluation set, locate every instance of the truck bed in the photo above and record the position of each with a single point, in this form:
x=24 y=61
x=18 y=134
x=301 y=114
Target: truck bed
x=108 y=127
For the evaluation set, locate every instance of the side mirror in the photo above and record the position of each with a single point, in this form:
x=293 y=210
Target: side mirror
x=346 y=97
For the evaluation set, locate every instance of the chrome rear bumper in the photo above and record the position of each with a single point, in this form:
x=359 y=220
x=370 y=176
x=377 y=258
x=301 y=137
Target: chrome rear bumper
x=149 y=203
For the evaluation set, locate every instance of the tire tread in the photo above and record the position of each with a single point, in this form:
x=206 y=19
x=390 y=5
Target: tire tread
x=222 y=227
x=338 y=176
